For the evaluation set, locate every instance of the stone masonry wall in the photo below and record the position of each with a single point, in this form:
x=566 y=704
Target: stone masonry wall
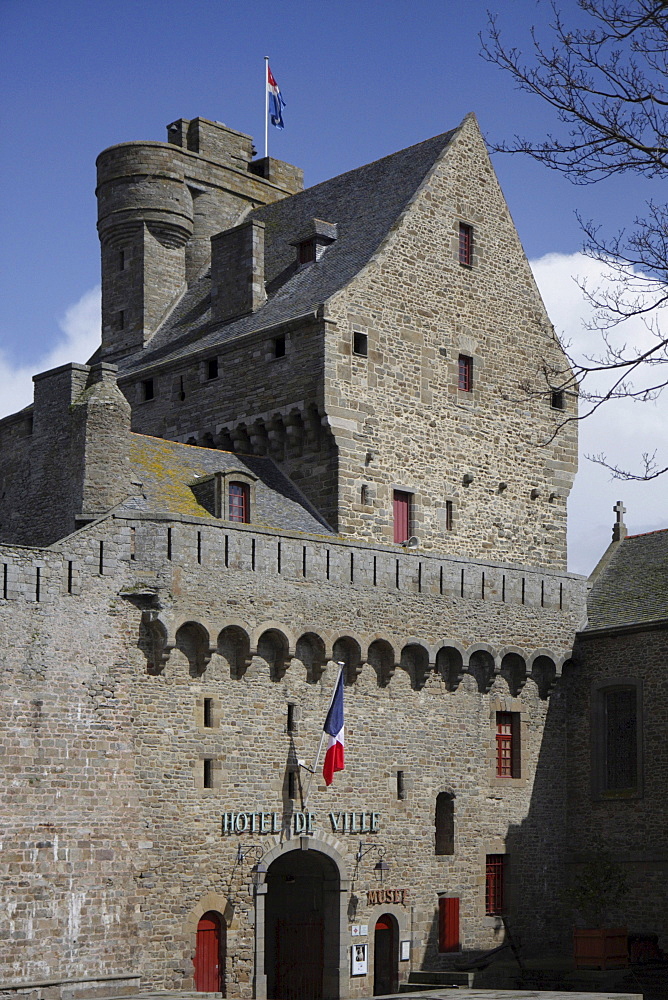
x=112 y=649
x=633 y=827
x=402 y=422
x=258 y=403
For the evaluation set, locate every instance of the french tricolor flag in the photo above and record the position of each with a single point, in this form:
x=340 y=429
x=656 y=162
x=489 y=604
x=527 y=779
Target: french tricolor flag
x=276 y=102
x=335 y=730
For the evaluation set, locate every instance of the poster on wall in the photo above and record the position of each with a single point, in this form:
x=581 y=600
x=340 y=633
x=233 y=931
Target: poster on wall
x=359 y=959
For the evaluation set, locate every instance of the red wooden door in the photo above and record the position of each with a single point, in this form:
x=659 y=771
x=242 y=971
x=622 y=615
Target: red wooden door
x=209 y=954
x=448 y=923
x=402 y=516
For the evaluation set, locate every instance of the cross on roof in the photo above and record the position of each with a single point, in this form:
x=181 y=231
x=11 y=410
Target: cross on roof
x=620 y=510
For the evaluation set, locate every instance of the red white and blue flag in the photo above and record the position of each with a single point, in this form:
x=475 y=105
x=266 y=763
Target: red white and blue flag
x=335 y=730
x=276 y=102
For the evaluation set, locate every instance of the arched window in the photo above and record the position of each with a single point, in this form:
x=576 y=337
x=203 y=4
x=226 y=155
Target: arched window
x=444 y=824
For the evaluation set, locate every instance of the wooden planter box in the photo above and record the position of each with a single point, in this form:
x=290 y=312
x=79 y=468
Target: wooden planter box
x=601 y=949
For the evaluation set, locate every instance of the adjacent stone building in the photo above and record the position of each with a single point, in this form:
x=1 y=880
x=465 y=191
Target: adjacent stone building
x=319 y=431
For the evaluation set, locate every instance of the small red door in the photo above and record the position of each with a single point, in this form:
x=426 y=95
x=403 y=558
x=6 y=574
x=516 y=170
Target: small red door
x=448 y=923
x=209 y=954
x=385 y=969
x=402 y=516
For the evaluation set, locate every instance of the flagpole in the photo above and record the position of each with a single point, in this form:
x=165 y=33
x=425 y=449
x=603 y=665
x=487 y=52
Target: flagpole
x=322 y=738
x=266 y=106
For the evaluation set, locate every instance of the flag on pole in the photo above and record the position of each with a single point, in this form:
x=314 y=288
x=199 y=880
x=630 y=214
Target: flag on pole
x=335 y=730
x=276 y=102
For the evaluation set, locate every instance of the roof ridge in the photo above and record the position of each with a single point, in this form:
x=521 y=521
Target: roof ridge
x=362 y=166
x=643 y=534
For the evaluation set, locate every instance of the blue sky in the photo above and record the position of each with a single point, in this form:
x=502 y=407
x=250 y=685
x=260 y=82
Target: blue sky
x=361 y=79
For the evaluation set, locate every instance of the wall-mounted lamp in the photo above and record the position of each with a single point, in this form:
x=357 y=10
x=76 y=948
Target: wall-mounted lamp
x=502 y=487
x=381 y=866
x=535 y=493
x=253 y=851
x=258 y=873
x=468 y=478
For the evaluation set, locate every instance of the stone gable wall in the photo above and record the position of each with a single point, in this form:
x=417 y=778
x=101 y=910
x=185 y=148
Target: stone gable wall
x=401 y=420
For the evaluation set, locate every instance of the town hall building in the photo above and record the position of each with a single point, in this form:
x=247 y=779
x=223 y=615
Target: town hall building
x=320 y=433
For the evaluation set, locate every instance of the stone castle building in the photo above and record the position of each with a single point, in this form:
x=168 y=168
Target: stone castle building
x=319 y=430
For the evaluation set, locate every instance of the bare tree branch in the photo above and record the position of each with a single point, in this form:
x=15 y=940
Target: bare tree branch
x=608 y=85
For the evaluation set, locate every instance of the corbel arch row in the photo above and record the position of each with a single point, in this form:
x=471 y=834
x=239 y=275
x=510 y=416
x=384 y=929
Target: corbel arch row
x=277 y=644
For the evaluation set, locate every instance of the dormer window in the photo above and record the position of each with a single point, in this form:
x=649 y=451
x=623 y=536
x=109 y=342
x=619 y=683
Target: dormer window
x=307 y=251
x=313 y=240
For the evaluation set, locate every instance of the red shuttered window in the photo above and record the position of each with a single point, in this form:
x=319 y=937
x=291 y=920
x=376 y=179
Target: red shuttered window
x=402 y=516
x=239 y=502
x=465 y=373
x=448 y=923
x=465 y=244
x=495 y=871
x=507 y=745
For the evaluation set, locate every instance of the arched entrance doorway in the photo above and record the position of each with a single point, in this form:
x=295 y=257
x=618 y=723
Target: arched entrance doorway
x=385 y=958
x=302 y=927
x=210 y=954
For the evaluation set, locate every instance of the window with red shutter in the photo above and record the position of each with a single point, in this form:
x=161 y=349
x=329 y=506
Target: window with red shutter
x=239 y=502
x=402 y=516
x=448 y=923
x=507 y=745
x=465 y=244
x=495 y=872
x=465 y=373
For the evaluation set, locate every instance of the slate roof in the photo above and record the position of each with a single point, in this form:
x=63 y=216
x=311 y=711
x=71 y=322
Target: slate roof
x=166 y=468
x=364 y=204
x=633 y=587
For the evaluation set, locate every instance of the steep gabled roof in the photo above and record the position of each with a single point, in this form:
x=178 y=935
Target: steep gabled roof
x=633 y=587
x=364 y=204
x=166 y=470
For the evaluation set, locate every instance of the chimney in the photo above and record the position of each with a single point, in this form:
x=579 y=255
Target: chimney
x=237 y=271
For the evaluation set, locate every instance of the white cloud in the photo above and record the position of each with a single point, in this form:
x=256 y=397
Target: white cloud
x=622 y=430
x=81 y=328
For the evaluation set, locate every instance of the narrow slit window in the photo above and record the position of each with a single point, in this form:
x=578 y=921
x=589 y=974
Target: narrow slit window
x=558 y=400
x=207 y=775
x=121 y=319
x=212 y=368
x=208 y=713
x=147 y=389
x=444 y=824
x=290 y=721
x=449 y=515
